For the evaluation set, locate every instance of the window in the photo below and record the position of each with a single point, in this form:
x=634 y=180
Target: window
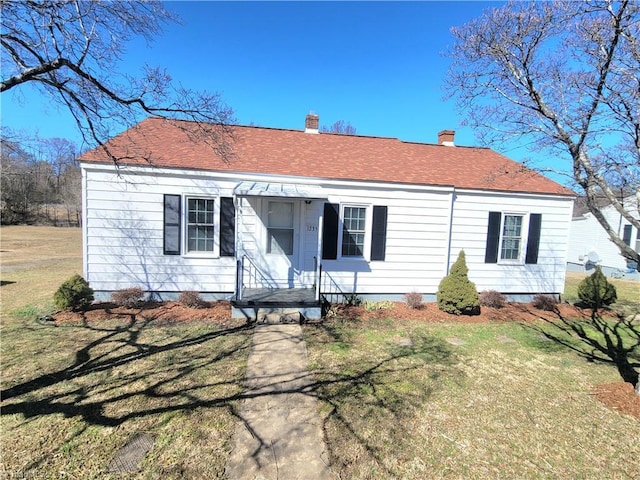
x=280 y=228
x=511 y=237
x=626 y=234
x=506 y=236
x=200 y=225
x=353 y=231
x=350 y=231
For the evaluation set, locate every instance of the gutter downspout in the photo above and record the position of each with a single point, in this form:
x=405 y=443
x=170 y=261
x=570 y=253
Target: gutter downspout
x=450 y=232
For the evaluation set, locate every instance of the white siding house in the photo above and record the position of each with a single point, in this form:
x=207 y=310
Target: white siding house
x=332 y=214
x=589 y=244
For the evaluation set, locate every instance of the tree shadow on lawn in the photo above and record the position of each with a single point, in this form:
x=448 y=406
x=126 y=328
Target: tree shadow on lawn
x=125 y=348
x=367 y=391
x=613 y=339
x=376 y=385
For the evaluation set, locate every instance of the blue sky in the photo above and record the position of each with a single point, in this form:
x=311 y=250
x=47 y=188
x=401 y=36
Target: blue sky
x=377 y=65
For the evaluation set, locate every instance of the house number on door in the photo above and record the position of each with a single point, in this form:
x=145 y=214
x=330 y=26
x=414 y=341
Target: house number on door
x=312 y=228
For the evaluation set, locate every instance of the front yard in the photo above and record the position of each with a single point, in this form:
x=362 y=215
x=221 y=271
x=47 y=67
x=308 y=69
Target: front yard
x=400 y=398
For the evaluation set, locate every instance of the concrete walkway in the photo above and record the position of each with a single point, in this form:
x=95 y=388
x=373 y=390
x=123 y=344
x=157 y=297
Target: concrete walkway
x=280 y=435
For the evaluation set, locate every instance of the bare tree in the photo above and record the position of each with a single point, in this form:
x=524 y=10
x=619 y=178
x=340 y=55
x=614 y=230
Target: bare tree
x=341 y=127
x=566 y=76
x=70 y=51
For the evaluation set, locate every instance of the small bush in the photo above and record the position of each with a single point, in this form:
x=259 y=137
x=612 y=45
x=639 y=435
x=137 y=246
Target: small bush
x=456 y=293
x=548 y=303
x=192 y=299
x=370 y=305
x=492 y=298
x=352 y=299
x=595 y=291
x=128 y=297
x=413 y=299
x=73 y=294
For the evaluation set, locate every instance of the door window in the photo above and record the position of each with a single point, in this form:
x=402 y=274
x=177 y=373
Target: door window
x=280 y=228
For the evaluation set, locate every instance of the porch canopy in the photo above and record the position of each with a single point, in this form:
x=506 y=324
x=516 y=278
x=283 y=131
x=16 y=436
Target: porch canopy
x=275 y=189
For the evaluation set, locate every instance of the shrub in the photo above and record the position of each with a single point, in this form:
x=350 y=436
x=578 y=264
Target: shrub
x=596 y=291
x=370 y=305
x=192 y=299
x=548 y=303
x=492 y=298
x=128 y=297
x=456 y=293
x=413 y=299
x=352 y=299
x=73 y=294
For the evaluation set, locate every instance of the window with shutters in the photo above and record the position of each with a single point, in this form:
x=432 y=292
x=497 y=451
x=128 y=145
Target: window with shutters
x=199 y=226
x=353 y=232
x=513 y=238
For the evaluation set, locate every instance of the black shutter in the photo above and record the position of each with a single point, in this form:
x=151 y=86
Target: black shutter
x=493 y=238
x=172 y=224
x=227 y=227
x=379 y=233
x=626 y=236
x=330 y=231
x=533 y=243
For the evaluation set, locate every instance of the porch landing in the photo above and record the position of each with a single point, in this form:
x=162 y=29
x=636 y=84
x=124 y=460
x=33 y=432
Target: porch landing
x=277 y=305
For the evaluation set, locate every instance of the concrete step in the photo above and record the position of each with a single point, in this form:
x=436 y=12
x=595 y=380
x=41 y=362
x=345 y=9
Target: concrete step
x=277 y=315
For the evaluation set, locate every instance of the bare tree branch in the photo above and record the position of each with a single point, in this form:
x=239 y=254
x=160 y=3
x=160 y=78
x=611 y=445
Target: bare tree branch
x=565 y=75
x=70 y=51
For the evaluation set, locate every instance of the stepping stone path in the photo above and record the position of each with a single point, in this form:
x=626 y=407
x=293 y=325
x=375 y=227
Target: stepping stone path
x=455 y=341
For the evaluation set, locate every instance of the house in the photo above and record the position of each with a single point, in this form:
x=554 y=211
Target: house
x=318 y=213
x=589 y=244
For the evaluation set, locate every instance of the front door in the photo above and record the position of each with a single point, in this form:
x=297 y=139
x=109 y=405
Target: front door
x=282 y=242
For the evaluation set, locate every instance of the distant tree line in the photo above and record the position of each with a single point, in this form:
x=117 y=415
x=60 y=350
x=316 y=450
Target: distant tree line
x=41 y=182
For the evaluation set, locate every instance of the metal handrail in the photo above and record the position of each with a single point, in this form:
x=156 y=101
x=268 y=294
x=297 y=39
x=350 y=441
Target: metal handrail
x=256 y=278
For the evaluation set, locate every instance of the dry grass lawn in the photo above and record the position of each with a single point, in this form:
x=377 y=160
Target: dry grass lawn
x=34 y=262
x=400 y=399
x=74 y=394
x=412 y=400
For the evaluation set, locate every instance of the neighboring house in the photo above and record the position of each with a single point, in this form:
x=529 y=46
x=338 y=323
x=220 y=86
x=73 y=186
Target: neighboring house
x=332 y=214
x=589 y=244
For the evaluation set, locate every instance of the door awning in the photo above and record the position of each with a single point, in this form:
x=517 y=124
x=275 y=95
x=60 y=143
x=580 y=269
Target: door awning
x=274 y=189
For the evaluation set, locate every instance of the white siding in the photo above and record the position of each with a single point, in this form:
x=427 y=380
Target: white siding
x=587 y=236
x=124 y=235
x=469 y=233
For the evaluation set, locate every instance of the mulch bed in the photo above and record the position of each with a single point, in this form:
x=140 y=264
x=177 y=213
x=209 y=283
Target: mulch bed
x=618 y=395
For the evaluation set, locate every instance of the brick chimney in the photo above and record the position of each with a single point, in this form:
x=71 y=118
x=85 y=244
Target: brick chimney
x=311 y=123
x=445 y=137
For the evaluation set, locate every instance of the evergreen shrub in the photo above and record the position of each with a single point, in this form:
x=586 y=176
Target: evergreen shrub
x=456 y=293
x=596 y=291
x=74 y=294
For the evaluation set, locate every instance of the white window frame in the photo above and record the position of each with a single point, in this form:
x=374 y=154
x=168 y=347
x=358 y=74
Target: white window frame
x=524 y=235
x=215 y=253
x=366 y=254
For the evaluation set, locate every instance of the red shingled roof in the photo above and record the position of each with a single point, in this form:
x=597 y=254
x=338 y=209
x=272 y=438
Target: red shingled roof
x=165 y=143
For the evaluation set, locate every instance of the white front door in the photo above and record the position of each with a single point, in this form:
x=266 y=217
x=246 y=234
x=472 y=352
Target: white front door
x=282 y=247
